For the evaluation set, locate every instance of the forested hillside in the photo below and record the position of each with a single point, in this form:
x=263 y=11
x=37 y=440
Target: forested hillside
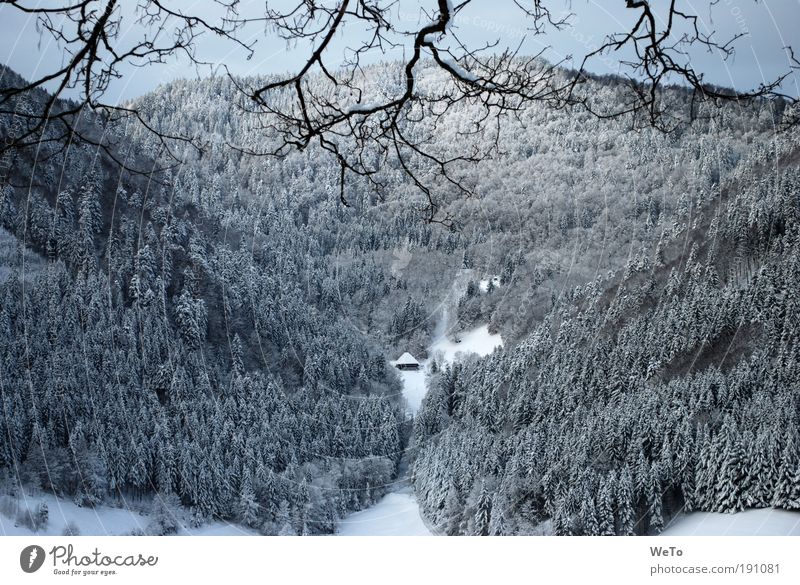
x=165 y=350
x=675 y=388
x=220 y=334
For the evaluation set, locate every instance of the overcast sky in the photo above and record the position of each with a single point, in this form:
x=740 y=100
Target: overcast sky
x=767 y=26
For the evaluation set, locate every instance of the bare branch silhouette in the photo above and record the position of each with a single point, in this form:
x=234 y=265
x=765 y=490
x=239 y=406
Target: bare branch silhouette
x=332 y=107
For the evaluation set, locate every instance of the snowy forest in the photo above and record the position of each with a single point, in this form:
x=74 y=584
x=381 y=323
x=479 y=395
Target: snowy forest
x=218 y=339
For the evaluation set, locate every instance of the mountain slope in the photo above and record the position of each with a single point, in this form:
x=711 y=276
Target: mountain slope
x=672 y=389
x=156 y=352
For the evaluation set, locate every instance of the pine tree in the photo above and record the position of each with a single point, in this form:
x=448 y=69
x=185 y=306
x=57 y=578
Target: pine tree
x=731 y=471
x=588 y=517
x=605 y=509
x=562 y=522
x=483 y=512
x=655 y=498
x=787 y=488
x=248 y=508
x=34 y=469
x=703 y=498
x=94 y=481
x=497 y=525
x=89 y=218
x=625 y=504
x=758 y=485
x=237 y=355
x=190 y=316
x=163 y=515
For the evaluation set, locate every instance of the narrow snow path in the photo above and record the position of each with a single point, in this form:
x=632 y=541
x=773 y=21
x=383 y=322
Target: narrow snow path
x=414 y=388
x=396 y=514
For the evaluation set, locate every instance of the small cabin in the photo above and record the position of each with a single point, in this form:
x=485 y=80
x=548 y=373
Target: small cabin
x=407 y=362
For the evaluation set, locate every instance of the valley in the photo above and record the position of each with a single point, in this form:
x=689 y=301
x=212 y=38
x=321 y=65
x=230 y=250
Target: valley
x=217 y=346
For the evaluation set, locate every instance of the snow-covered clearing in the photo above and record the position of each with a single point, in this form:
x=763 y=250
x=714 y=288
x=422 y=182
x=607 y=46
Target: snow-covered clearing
x=766 y=522
x=396 y=514
x=484 y=284
x=99 y=521
x=478 y=341
x=102 y=520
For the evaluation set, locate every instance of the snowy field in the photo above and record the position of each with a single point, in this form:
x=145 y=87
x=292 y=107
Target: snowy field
x=767 y=522
x=102 y=521
x=396 y=514
x=478 y=341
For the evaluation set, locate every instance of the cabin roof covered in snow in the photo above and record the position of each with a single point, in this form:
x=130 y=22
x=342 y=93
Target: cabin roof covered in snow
x=407 y=358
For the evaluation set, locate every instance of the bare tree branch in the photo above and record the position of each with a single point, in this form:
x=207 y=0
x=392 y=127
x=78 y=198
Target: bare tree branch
x=333 y=108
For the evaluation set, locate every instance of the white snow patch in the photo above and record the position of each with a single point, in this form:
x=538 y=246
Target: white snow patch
x=452 y=12
x=396 y=514
x=216 y=528
x=478 y=341
x=766 y=522
x=414 y=388
x=457 y=70
x=100 y=521
x=484 y=284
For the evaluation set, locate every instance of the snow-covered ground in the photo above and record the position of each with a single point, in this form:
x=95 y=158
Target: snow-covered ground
x=484 y=284
x=396 y=514
x=101 y=521
x=216 y=529
x=477 y=340
x=767 y=522
x=414 y=388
